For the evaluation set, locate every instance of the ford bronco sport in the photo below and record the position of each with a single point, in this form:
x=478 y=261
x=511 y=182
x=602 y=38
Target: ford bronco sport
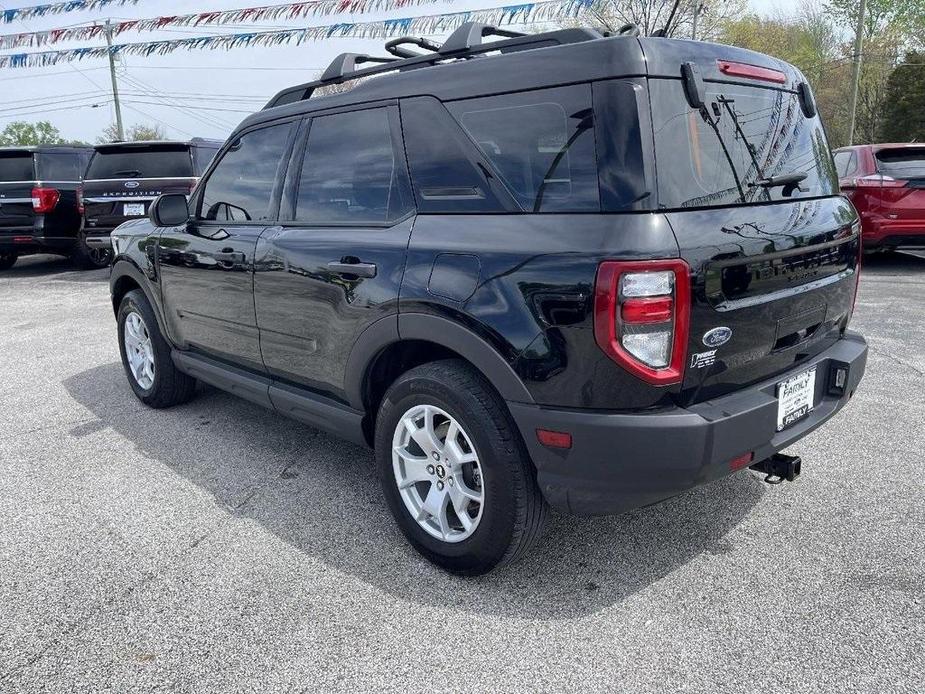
x=559 y=270
x=39 y=210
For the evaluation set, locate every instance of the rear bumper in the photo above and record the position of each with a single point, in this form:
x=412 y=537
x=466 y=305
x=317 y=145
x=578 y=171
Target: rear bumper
x=619 y=462
x=878 y=232
x=27 y=240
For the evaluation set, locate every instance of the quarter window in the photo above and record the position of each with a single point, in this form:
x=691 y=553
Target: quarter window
x=241 y=186
x=541 y=143
x=352 y=172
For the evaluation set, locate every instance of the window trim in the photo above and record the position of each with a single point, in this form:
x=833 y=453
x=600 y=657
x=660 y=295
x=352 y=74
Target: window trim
x=290 y=192
x=273 y=219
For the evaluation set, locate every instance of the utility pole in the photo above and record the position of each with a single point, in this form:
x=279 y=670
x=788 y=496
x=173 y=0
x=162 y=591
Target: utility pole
x=120 y=132
x=858 y=47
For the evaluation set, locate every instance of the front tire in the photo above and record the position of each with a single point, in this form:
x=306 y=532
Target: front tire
x=454 y=471
x=7 y=260
x=146 y=356
x=88 y=257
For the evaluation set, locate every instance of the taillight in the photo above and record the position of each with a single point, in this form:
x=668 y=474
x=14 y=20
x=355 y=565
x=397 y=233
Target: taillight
x=642 y=316
x=80 y=200
x=44 y=200
x=856 y=230
x=728 y=67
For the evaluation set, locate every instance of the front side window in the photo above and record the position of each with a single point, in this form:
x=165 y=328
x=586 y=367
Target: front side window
x=733 y=150
x=541 y=143
x=352 y=172
x=241 y=186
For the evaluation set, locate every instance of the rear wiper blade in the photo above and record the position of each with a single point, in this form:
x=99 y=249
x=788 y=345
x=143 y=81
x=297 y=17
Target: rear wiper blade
x=790 y=179
x=133 y=173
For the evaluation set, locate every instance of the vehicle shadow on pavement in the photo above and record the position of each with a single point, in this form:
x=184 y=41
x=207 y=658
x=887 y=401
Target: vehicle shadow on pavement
x=322 y=496
x=885 y=263
x=36 y=266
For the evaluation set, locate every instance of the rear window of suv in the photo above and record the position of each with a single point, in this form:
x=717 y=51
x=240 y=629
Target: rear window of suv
x=16 y=167
x=746 y=135
x=142 y=162
x=902 y=163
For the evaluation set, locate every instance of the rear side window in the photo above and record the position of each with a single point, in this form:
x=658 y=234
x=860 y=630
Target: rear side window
x=725 y=153
x=16 y=167
x=902 y=163
x=202 y=157
x=846 y=163
x=352 y=171
x=60 y=166
x=141 y=162
x=241 y=186
x=541 y=143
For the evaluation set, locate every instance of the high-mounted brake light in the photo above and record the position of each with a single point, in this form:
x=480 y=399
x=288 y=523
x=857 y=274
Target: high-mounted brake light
x=752 y=72
x=44 y=200
x=642 y=317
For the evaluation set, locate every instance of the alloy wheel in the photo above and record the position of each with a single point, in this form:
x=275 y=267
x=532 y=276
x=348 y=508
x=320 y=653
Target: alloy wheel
x=438 y=473
x=139 y=350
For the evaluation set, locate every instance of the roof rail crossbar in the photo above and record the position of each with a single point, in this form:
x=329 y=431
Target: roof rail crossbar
x=470 y=35
x=344 y=67
x=395 y=46
x=345 y=64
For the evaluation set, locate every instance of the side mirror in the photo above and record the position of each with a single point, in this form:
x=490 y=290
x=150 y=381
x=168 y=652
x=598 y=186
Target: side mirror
x=169 y=210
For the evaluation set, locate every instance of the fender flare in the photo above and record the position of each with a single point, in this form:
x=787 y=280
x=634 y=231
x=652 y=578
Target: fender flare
x=439 y=331
x=124 y=267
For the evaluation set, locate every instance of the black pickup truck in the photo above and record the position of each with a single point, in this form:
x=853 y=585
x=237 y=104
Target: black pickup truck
x=39 y=209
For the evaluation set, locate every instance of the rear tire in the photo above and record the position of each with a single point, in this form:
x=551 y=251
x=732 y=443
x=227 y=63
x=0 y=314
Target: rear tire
x=89 y=258
x=7 y=260
x=470 y=423
x=146 y=356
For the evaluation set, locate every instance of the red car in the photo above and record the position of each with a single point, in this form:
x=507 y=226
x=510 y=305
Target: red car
x=886 y=183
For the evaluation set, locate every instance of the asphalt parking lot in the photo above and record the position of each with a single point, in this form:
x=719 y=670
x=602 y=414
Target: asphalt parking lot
x=217 y=547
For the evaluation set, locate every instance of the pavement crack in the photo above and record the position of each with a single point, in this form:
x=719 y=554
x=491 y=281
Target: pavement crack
x=899 y=360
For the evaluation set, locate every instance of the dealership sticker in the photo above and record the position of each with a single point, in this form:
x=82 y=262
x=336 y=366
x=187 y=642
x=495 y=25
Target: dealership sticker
x=703 y=359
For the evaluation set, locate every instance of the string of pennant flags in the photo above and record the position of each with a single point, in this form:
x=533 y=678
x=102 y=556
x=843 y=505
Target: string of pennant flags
x=19 y=14
x=528 y=13
x=288 y=11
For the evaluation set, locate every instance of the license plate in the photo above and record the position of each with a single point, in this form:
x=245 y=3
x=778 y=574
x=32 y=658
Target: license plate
x=795 y=398
x=134 y=209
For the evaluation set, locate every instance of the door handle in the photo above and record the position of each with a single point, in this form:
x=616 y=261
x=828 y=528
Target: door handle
x=367 y=270
x=229 y=257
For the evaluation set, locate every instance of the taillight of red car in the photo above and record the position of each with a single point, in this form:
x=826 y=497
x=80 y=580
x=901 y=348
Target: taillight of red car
x=642 y=317
x=44 y=200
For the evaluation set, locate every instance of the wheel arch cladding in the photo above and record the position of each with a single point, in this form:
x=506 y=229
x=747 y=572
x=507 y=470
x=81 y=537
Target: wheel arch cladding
x=411 y=339
x=127 y=277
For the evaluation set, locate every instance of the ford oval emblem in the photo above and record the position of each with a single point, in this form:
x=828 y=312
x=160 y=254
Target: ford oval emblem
x=132 y=184
x=717 y=337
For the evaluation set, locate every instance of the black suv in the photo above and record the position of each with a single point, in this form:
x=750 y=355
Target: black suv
x=125 y=177
x=561 y=269
x=38 y=202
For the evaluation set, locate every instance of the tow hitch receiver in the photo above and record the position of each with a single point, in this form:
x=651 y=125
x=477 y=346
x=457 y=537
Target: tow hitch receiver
x=779 y=467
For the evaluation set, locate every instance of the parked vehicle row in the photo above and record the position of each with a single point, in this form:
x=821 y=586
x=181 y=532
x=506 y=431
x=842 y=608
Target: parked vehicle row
x=67 y=199
x=550 y=270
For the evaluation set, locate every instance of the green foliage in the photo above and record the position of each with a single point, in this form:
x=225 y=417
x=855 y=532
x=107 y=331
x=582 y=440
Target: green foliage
x=134 y=133
x=903 y=114
x=23 y=133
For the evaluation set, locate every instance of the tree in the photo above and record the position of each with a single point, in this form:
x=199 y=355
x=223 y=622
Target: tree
x=652 y=15
x=903 y=111
x=23 y=133
x=135 y=133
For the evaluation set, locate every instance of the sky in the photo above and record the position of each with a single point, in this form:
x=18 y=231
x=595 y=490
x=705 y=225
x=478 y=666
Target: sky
x=201 y=93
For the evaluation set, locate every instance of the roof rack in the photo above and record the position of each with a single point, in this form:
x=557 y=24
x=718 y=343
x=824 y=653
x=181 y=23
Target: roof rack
x=463 y=44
